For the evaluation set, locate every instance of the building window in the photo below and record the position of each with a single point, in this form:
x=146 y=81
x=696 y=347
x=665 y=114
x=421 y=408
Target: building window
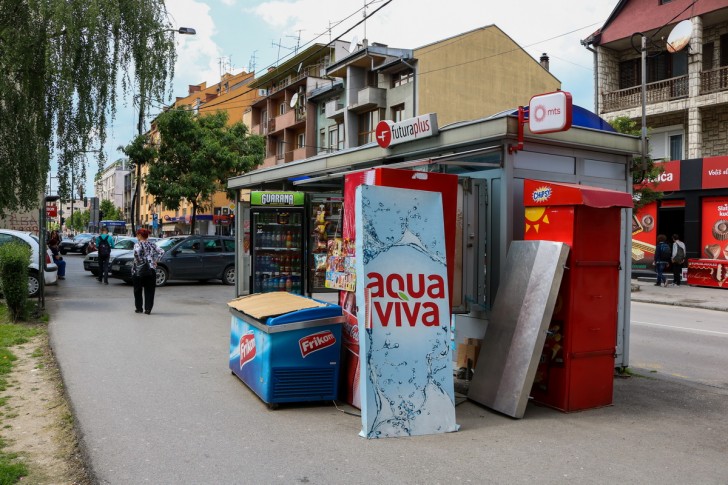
x=676 y=147
x=280 y=149
x=724 y=50
x=402 y=78
x=663 y=2
x=708 y=56
x=333 y=138
x=322 y=141
x=659 y=68
x=322 y=108
x=282 y=109
x=341 y=136
x=368 y=124
x=301 y=140
x=398 y=113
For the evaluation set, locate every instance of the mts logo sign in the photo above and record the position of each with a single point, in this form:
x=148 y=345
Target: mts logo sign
x=548 y=113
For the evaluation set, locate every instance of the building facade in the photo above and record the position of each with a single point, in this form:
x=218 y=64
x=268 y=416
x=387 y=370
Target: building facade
x=110 y=185
x=686 y=113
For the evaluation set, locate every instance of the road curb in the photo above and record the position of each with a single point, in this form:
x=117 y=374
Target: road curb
x=676 y=303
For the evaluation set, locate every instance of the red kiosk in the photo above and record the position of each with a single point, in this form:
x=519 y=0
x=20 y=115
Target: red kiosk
x=577 y=364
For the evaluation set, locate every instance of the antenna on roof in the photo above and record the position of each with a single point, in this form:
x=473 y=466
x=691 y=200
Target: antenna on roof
x=251 y=62
x=279 y=45
x=298 y=40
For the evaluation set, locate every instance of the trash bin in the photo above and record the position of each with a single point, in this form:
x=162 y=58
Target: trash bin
x=286 y=348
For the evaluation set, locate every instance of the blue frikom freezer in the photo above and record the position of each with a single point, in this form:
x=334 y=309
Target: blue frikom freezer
x=286 y=357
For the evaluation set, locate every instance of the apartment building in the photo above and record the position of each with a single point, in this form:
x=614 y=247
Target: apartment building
x=686 y=111
x=349 y=89
x=110 y=184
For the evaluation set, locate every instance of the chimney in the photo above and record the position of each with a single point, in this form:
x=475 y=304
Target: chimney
x=544 y=60
x=193 y=88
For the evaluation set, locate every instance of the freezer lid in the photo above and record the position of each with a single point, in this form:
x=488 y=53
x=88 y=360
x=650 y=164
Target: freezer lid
x=263 y=305
x=288 y=326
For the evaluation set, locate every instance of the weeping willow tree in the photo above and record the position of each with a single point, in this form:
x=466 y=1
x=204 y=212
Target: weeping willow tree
x=63 y=64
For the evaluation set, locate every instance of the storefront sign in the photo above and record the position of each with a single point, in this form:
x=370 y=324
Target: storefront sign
x=669 y=179
x=548 y=113
x=51 y=210
x=404 y=315
x=389 y=133
x=715 y=172
x=702 y=272
x=277 y=199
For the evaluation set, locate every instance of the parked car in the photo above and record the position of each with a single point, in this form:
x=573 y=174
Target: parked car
x=50 y=272
x=199 y=258
x=75 y=245
x=122 y=245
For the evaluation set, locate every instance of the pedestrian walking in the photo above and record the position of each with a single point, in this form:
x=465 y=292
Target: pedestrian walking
x=678 y=259
x=54 y=240
x=104 y=245
x=663 y=255
x=144 y=276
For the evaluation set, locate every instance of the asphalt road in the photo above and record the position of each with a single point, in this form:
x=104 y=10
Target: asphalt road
x=155 y=402
x=686 y=343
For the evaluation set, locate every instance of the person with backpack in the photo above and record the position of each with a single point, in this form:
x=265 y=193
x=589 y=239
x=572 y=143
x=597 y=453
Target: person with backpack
x=104 y=245
x=678 y=259
x=663 y=254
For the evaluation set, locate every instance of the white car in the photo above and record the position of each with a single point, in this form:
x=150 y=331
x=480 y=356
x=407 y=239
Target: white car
x=50 y=272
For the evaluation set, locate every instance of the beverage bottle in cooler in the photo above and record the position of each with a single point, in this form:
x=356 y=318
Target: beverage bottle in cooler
x=281 y=284
x=289 y=240
x=289 y=284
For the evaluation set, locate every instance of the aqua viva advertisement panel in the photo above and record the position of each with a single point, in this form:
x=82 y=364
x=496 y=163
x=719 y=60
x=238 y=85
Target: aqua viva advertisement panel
x=404 y=322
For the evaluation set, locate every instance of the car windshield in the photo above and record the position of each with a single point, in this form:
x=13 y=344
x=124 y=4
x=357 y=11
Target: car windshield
x=125 y=244
x=166 y=243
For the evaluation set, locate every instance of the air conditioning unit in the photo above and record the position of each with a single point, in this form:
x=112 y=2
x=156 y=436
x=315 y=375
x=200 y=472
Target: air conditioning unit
x=262 y=92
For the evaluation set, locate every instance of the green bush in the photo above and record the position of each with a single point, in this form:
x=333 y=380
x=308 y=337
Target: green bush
x=14 y=260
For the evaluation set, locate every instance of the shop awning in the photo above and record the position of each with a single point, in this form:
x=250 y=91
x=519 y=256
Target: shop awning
x=540 y=193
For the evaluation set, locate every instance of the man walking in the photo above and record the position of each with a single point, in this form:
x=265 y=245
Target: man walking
x=678 y=259
x=104 y=244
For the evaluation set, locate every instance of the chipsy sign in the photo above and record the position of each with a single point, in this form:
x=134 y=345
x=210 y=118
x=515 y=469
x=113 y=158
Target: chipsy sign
x=389 y=133
x=277 y=199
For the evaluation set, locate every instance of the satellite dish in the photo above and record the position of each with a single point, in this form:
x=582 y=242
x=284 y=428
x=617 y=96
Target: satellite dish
x=294 y=100
x=300 y=66
x=354 y=44
x=679 y=38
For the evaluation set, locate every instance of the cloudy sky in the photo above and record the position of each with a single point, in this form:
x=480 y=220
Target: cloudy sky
x=246 y=34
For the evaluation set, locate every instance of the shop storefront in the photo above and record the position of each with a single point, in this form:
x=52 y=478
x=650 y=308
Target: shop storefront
x=491 y=168
x=694 y=205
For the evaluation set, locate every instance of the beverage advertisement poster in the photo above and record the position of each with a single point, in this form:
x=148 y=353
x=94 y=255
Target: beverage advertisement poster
x=406 y=380
x=340 y=262
x=644 y=236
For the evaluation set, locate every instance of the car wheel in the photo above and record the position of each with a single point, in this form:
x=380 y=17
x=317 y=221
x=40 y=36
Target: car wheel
x=162 y=276
x=33 y=284
x=64 y=251
x=228 y=276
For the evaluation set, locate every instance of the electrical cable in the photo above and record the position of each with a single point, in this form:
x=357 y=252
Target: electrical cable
x=345 y=411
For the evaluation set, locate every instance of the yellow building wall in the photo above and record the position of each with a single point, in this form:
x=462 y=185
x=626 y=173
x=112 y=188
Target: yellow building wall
x=477 y=74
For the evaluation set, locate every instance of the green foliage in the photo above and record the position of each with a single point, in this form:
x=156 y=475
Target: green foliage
x=14 y=260
x=64 y=63
x=111 y=212
x=11 y=468
x=196 y=156
x=642 y=174
x=79 y=220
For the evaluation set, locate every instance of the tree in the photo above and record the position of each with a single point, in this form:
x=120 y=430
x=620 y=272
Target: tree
x=140 y=152
x=641 y=174
x=63 y=65
x=79 y=220
x=110 y=211
x=196 y=156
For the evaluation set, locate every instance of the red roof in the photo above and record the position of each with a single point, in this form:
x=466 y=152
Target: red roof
x=540 y=193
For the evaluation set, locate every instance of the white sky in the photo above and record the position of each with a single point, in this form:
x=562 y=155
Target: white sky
x=233 y=31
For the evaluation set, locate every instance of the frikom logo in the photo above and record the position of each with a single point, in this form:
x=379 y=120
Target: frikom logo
x=541 y=194
x=247 y=348
x=317 y=341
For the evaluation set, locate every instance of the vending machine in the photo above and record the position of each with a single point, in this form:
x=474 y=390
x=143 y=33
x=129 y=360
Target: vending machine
x=277 y=251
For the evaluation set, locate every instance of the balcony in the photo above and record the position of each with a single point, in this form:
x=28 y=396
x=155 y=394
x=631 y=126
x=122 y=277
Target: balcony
x=657 y=92
x=370 y=98
x=714 y=80
x=334 y=109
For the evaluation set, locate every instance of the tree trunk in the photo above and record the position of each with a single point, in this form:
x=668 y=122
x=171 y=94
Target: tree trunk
x=193 y=219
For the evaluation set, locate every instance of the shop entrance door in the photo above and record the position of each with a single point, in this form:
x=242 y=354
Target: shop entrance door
x=470 y=253
x=671 y=220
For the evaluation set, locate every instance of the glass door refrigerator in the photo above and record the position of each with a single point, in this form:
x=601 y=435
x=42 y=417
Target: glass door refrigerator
x=325 y=222
x=278 y=221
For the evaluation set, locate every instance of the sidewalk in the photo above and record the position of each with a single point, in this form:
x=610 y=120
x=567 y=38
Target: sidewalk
x=683 y=295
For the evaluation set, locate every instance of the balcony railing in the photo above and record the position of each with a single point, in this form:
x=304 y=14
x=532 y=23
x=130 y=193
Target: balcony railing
x=666 y=90
x=714 y=80
x=313 y=70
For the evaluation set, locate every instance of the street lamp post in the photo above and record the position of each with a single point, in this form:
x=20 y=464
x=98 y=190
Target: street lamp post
x=135 y=205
